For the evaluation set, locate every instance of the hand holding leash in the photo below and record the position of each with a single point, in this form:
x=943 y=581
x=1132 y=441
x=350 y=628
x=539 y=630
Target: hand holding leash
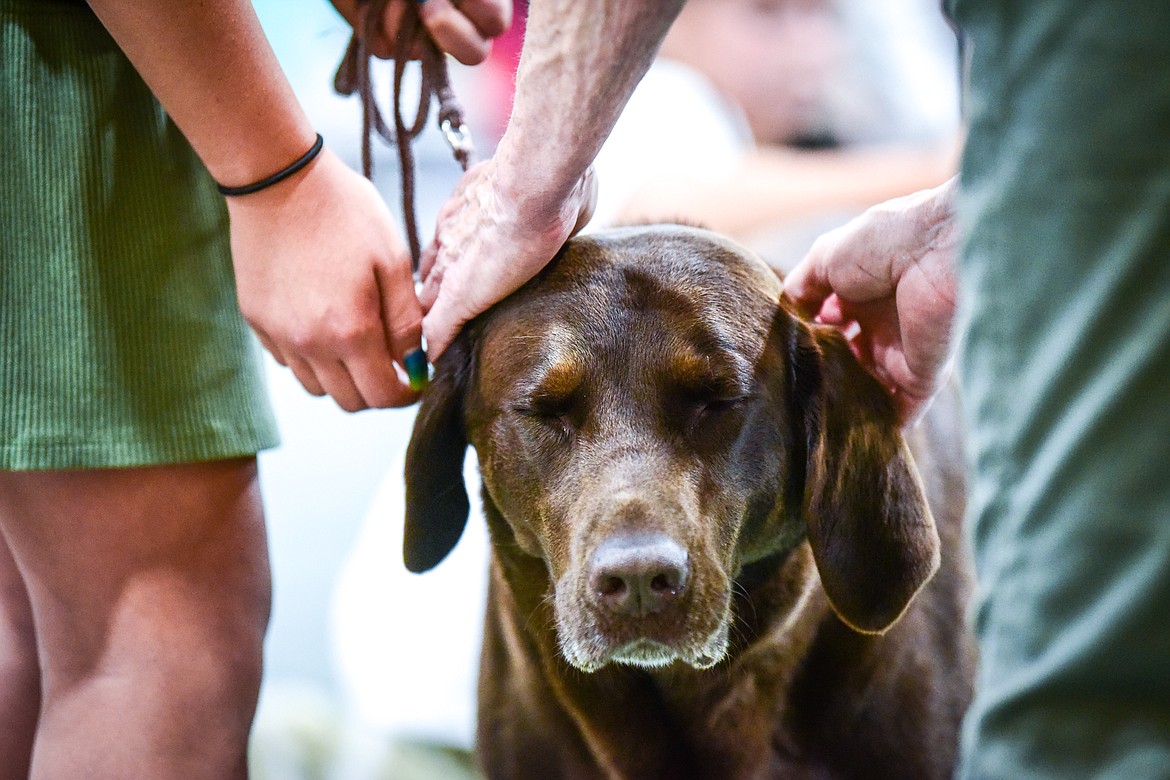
x=419 y=29
x=414 y=39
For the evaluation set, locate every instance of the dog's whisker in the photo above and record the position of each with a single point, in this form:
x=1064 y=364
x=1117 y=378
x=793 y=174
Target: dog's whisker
x=746 y=602
x=739 y=631
x=545 y=606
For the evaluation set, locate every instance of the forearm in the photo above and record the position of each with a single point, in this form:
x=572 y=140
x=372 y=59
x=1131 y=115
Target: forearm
x=211 y=67
x=581 y=61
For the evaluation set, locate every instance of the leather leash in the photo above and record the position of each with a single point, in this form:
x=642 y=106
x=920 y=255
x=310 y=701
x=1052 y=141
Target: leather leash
x=353 y=77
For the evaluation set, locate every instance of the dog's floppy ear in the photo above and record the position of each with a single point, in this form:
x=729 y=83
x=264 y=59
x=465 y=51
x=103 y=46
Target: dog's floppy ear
x=436 y=497
x=869 y=526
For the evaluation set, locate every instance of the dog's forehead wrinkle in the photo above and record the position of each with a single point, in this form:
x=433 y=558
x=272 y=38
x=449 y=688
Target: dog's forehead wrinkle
x=701 y=363
x=628 y=304
x=675 y=323
x=546 y=358
x=559 y=374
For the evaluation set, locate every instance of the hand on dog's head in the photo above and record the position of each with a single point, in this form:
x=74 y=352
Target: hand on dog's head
x=649 y=419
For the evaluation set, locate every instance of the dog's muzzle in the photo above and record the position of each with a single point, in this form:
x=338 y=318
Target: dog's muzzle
x=639 y=603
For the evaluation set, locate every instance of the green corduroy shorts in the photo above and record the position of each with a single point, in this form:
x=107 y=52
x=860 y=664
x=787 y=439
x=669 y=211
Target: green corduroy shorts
x=121 y=342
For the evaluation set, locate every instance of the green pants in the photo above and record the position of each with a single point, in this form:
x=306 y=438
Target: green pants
x=121 y=342
x=1065 y=289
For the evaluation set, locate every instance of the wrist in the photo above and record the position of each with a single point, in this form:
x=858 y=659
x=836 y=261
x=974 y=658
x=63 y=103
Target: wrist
x=262 y=157
x=938 y=213
x=276 y=177
x=942 y=202
x=308 y=188
x=529 y=178
x=536 y=186
x=915 y=218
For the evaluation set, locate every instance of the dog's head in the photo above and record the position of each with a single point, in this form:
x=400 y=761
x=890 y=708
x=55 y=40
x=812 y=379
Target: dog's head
x=649 y=420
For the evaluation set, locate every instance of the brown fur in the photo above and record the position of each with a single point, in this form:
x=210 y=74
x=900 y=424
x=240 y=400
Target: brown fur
x=651 y=384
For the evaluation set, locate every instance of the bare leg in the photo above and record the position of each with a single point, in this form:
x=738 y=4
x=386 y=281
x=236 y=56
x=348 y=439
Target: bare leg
x=150 y=590
x=20 y=678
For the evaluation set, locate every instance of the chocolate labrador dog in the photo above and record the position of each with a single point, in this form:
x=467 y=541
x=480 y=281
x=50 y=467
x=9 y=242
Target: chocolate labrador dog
x=713 y=553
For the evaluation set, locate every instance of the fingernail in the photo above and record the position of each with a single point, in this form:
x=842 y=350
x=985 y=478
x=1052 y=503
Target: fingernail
x=417 y=369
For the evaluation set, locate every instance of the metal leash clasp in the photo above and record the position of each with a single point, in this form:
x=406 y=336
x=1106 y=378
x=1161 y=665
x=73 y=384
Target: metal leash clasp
x=459 y=139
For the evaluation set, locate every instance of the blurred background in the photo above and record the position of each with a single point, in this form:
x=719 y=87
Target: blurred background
x=770 y=120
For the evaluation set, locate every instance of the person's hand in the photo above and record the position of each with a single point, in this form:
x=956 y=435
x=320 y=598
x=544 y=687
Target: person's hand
x=488 y=244
x=464 y=31
x=887 y=279
x=325 y=281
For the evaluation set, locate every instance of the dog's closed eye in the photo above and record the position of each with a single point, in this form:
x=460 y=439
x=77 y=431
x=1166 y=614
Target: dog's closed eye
x=553 y=398
x=708 y=387
x=710 y=405
x=559 y=414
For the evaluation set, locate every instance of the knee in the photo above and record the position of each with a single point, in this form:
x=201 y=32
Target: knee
x=181 y=690
x=213 y=652
x=192 y=678
x=188 y=652
x=217 y=680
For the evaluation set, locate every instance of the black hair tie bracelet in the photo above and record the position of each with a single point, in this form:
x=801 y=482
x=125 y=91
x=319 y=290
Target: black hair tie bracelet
x=279 y=176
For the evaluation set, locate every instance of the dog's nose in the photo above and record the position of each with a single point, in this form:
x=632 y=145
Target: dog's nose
x=638 y=575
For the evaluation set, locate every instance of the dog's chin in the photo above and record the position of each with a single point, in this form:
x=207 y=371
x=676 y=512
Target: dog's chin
x=652 y=655
x=646 y=653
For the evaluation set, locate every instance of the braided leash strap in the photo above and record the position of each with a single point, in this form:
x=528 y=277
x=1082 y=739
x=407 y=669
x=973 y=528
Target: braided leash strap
x=353 y=77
